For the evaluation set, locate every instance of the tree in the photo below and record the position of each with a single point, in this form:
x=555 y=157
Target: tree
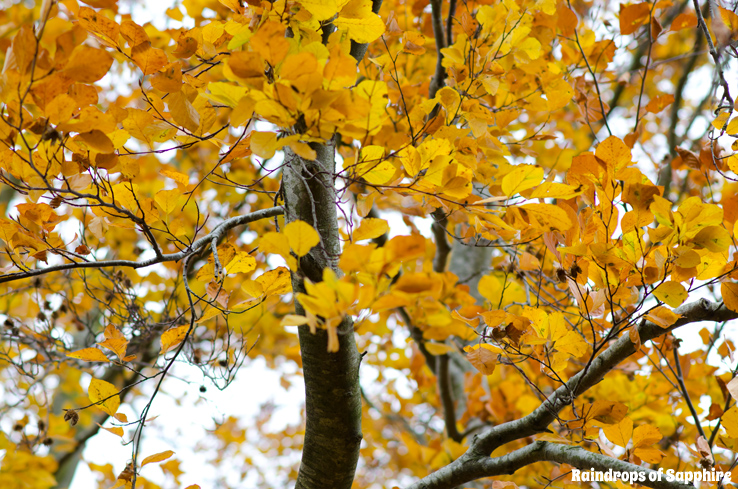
x=511 y=204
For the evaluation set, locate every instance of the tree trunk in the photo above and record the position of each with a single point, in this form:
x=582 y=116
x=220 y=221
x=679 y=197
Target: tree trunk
x=333 y=397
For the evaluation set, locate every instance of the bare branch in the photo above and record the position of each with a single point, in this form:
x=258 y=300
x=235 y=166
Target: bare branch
x=444 y=389
x=442 y=246
x=438 y=78
x=715 y=56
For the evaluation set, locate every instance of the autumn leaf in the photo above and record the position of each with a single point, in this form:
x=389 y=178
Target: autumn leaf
x=633 y=16
x=88 y=64
x=662 y=316
x=620 y=433
x=521 y=178
x=242 y=262
x=171 y=338
x=729 y=292
x=301 y=237
x=672 y=293
x=157 y=457
x=370 y=228
x=89 y=355
x=104 y=395
x=483 y=357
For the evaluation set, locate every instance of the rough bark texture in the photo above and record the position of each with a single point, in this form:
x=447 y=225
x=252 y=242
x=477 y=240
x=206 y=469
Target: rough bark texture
x=332 y=391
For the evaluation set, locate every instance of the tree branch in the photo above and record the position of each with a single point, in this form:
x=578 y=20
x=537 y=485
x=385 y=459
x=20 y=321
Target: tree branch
x=216 y=234
x=332 y=390
x=437 y=81
x=538 y=421
x=444 y=390
x=715 y=56
x=539 y=451
x=683 y=388
x=442 y=247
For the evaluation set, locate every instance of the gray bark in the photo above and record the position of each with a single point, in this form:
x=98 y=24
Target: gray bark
x=333 y=395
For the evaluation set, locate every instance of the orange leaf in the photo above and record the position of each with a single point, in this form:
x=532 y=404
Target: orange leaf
x=729 y=291
x=173 y=337
x=483 y=357
x=149 y=59
x=633 y=16
x=663 y=316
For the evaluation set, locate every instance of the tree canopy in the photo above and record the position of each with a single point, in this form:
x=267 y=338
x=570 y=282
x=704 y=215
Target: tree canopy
x=473 y=228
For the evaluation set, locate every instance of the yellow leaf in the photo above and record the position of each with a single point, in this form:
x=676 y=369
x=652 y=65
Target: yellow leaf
x=241 y=263
x=227 y=93
x=521 y=178
x=89 y=355
x=729 y=291
x=149 y=59
x=301 y=236
x=547 y=216
x=715 y=238
x=323 y=9
x=645 y=436
x=729 y=18
x=362 y=24
x=115 y=341
x=671 y=293
x=608 y=412
x=97 y=141
x=274 y=243
x=571 y=343
x=133 y=33
x=173 y=337
x=438 y=348
x=650 y=455
x=116 y=430
x=265 y=144
x=168 y=199
x=499 y=291
x=370 y=228
x=246 y=64
x=158 y=457
x=104 y=395
x=340 y=71
x=620 y=433
x=730 y=421
x=720 y=120
x=732 y=126
x=662 y=316
x=293 y=320
x=182 y=111
x=614 y=152
x=553 y=190
x=659 y=103
x=373 y=166
x=530 y=46
x=88 y=64
x=274 y=112
x=275 y=281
